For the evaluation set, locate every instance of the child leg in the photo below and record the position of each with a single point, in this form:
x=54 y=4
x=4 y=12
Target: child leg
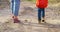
x=43 y=12
x=39 y=15
x=43 y=15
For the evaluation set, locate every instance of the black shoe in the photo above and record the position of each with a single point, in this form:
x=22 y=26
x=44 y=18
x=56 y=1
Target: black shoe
x=39 y=21
x=43 y=21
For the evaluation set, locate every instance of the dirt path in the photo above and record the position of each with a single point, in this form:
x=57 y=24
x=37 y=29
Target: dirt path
x=28 y=12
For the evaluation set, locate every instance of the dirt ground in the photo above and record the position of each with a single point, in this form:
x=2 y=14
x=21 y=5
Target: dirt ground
x=28 y=16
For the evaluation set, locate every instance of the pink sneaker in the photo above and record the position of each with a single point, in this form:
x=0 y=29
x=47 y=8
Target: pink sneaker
x=16 y=21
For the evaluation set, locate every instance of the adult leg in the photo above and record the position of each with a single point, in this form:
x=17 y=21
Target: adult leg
x=16 y=7
x=16 y=10
x=12 y=7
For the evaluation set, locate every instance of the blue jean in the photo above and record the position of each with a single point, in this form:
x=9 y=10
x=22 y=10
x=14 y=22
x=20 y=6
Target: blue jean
x=15 y=4
x=41 y=13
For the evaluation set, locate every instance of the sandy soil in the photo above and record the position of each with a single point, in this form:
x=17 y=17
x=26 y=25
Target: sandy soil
x=28 y=17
